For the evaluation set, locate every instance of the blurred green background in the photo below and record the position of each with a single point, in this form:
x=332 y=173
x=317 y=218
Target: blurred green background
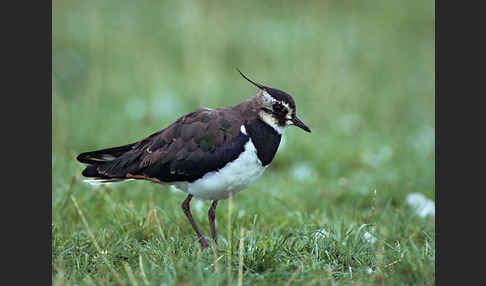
x=361 y=73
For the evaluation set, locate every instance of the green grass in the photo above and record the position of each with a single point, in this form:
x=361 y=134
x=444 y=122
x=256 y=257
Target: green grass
x=362 y=74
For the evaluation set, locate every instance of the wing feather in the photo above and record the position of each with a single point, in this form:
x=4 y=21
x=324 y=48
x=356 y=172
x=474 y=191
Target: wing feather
x=197 y=143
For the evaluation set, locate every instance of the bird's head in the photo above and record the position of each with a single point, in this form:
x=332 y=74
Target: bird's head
x=276 y=108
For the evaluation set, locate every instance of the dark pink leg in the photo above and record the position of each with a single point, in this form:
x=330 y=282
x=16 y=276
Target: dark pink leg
x=187 y=211
x=211 y=217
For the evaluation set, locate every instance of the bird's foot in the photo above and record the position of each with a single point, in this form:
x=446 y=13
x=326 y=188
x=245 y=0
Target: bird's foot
x=203 y=242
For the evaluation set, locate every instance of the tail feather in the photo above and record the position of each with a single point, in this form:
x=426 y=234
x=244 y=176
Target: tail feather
x=98 y=158
x=104 y=155
x=91 y=171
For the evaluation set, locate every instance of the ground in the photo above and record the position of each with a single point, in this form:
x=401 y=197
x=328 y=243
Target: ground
x=332 y=207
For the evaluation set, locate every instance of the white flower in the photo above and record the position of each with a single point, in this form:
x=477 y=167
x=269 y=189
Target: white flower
x=422 y=206
x=369 y=237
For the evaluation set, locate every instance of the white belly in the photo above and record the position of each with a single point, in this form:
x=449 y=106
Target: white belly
x=229 y=180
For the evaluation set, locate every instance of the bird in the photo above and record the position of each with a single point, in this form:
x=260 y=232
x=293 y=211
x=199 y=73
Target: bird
x=210 y=154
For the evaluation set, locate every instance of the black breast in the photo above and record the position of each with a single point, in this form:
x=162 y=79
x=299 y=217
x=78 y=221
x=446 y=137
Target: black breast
x=265 y=139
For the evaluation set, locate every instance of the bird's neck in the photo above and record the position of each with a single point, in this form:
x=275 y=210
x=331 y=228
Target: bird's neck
x=265 y=139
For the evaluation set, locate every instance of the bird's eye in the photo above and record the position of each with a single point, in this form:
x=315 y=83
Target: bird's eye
x=277 y=107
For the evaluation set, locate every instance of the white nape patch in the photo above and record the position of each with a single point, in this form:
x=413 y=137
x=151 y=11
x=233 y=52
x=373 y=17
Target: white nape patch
x=229 y=180
x=268 y=99
x=243 y=129
x=270 y=120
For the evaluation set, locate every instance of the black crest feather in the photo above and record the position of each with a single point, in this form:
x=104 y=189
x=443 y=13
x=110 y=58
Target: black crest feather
x=256 y=84
x=276 y=93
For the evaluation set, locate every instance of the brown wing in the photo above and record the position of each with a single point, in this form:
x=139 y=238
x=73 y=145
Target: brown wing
x=199 y=142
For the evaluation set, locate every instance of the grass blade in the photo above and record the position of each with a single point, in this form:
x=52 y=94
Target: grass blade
x=92 y=238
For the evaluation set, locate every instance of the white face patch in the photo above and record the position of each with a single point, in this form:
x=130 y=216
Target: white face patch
x=270 y=120
x=268 y=102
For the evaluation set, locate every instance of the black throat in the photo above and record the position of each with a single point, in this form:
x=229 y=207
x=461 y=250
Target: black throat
x=265 y=138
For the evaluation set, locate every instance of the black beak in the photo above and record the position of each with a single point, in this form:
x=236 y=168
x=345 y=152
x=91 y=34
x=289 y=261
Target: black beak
x=297 y=122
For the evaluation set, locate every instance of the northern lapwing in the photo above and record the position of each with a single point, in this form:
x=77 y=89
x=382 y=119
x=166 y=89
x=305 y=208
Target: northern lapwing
x=210 y=154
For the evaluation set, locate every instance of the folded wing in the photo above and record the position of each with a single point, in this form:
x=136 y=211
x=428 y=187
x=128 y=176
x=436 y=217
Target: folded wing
x=199 y=142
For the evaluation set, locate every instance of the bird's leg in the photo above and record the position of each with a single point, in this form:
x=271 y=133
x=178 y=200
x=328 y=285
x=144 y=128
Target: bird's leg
x=187 y=211
x=211 y=217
